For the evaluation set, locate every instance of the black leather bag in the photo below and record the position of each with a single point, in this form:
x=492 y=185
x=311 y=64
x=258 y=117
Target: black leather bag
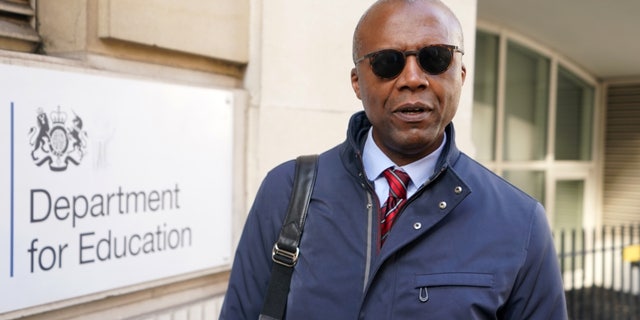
x=286 y=250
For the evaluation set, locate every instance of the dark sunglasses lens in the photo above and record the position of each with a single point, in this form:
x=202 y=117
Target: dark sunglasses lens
x=435 y=59
x=387 y=63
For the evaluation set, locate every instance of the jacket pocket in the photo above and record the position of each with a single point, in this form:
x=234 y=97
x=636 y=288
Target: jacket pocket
x=424 y=282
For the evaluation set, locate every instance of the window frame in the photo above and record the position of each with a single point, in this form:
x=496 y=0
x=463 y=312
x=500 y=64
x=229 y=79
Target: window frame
x=589 y=171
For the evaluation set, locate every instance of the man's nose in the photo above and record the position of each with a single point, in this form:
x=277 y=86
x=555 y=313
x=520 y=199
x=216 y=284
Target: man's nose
x=412 y=76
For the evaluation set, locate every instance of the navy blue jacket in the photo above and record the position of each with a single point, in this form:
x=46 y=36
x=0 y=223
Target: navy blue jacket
x=467 y=245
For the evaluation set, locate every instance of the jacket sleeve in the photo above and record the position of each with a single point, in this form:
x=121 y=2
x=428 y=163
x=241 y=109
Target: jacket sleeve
x=538 y=292
x=251 y=268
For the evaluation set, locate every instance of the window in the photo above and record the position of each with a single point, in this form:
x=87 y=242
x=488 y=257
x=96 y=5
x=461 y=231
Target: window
x=485 y=95
x=574 y=114
x=526 y=104
x=530 y=181
x=568 y=217
x=533 y=124
x=17 y=26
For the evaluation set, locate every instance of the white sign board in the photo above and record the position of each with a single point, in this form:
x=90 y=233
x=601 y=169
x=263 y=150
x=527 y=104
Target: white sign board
x=107 y=182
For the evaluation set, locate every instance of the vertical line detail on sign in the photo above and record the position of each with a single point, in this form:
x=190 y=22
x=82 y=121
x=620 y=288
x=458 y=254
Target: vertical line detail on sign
x=11 y=190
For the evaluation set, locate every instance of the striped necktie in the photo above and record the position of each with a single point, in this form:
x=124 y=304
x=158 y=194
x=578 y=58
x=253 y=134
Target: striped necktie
x=398 y=181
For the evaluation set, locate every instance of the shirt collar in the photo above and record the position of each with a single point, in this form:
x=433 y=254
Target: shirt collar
x=375 y=162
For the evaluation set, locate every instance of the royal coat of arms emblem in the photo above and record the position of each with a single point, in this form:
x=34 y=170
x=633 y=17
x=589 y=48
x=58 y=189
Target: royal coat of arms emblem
x=55 y=143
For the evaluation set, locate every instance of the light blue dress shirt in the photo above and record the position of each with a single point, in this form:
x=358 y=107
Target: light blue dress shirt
x=375 y=162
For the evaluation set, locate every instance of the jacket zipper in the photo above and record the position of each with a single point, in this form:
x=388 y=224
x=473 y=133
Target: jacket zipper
x=371 y=206
x=367 y=268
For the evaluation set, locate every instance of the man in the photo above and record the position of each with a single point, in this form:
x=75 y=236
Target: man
x=464 y=244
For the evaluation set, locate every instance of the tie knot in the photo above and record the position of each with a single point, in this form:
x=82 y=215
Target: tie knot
x=398 y=181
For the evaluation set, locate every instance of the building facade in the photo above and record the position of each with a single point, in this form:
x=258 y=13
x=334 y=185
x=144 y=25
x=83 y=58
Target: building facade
x=534 y=108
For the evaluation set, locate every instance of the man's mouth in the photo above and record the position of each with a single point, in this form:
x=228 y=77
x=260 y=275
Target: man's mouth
x=412 y=112
x=414 y=109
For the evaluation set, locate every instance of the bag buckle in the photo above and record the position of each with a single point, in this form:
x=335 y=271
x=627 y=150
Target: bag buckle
x=284 y=257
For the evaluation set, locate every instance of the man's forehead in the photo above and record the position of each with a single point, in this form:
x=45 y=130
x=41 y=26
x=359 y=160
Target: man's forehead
x=406 y=24
x=397 y=19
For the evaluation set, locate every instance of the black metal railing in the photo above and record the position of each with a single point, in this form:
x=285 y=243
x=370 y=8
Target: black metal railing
x=600 y=283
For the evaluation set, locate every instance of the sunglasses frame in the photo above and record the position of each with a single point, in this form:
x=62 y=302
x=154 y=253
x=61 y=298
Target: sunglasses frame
x=453 y=49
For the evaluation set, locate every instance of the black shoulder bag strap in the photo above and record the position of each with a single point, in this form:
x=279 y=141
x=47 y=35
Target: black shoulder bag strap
x=285 y=251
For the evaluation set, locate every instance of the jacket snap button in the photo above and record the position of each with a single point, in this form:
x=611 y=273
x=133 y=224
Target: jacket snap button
x=417 y=225
x=457 y=190
x=442 y=205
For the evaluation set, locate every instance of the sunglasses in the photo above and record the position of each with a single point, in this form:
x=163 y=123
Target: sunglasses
x=389 y=63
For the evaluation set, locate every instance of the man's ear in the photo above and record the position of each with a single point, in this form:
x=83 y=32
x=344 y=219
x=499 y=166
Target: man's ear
x=464 y=72
x=354 y=82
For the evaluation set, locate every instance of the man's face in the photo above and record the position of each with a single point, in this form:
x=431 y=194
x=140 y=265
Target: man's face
x=409 y=112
